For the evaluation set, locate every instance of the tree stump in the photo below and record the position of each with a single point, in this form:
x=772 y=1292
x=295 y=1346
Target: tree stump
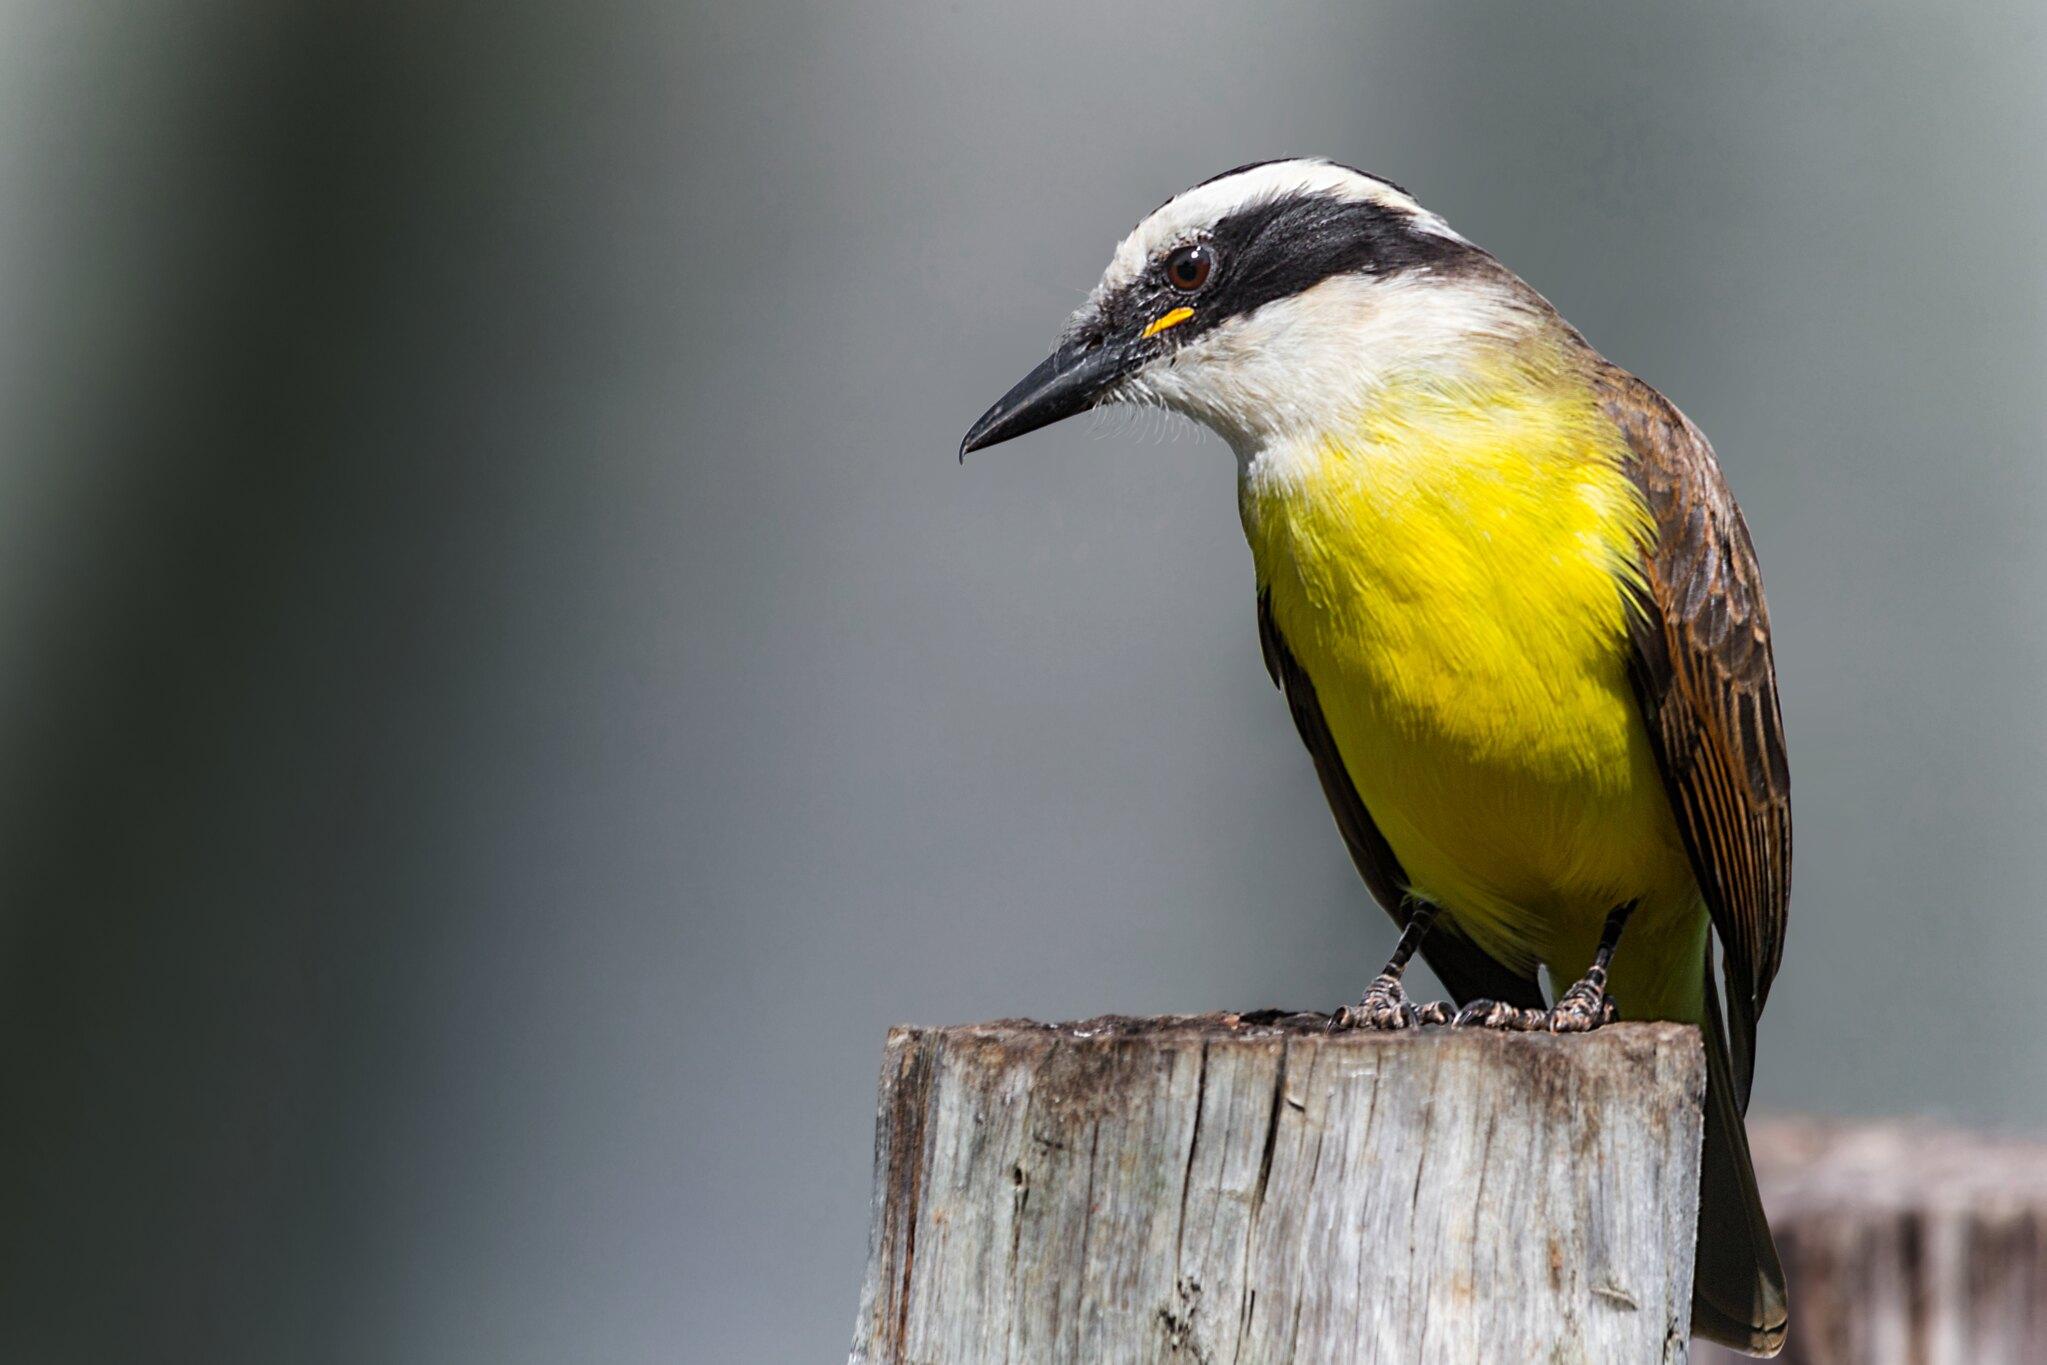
x=1905 y=1243
x=1254 y=1188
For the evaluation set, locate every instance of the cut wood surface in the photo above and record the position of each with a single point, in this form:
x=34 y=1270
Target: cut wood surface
x=1254 y=1188
x=1905 y=1243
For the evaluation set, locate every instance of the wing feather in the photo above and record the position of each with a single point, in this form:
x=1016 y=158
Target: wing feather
x=1707 y=684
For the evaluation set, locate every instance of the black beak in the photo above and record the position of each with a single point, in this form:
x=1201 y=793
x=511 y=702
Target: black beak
x=1072 y=379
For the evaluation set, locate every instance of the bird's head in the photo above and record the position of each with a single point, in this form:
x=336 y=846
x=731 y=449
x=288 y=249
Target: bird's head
x=1267 y=301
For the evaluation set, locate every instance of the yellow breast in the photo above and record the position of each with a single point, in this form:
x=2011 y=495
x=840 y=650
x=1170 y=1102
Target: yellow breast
x=1450 y=572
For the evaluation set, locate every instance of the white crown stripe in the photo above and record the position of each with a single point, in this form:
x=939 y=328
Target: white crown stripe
x=1187 y=213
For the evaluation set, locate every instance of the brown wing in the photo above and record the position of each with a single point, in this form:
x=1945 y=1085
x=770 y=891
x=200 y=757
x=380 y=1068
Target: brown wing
x=1708 y=689
x=1465 y=971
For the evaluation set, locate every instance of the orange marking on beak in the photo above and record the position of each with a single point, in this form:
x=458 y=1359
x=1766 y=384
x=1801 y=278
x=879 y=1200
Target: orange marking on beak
x=1172 y=319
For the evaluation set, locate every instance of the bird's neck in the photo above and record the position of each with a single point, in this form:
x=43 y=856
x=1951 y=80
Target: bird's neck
x=1285 y=377
x=1491 y=412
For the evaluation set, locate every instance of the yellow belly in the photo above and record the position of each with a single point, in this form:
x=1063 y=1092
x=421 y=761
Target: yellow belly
x=1453 y=584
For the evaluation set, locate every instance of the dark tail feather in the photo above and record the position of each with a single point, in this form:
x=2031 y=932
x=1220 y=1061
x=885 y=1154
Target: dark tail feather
x=1738 y=1294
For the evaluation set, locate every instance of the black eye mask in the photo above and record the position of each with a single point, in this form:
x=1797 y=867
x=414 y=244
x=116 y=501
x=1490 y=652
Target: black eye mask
x=1286 y=246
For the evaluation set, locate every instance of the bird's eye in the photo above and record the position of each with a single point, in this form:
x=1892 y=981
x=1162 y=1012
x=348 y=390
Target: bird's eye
x=1188 y=268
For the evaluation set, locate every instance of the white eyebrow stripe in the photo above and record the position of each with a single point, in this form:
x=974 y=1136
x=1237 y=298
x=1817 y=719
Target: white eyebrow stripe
x=1188 y=212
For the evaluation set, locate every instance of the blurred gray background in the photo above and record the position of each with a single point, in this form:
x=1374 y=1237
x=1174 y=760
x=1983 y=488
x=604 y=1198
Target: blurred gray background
x=505 y=693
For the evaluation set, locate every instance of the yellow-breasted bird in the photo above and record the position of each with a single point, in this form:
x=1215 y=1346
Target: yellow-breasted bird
x=1513 y=608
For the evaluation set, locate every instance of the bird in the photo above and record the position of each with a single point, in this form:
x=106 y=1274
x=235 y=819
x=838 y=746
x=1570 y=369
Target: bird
x=1514 y=611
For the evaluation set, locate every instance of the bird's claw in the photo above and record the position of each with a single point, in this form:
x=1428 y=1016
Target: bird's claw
x=1385 y=1006
x=1498 y=1015
x=1581 y=1009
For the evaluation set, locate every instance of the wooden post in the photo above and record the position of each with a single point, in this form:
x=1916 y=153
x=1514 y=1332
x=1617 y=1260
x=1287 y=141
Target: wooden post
x=1905 y=1243
x=1256 y=1189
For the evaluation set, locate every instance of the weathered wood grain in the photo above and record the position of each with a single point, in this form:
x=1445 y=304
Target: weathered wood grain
x=1251 y=1189
x=1905 y=1243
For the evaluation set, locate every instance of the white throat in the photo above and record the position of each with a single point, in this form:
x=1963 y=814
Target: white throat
x=1277 y=383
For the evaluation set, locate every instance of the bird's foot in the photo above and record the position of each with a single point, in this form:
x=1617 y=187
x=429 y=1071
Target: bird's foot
x=1386 y=1006
x=1581 y=1009
x=1584 y=1007
x=1499 y=1015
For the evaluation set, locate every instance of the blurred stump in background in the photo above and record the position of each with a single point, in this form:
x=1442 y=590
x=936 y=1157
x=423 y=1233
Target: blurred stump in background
x=1905 y=1243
